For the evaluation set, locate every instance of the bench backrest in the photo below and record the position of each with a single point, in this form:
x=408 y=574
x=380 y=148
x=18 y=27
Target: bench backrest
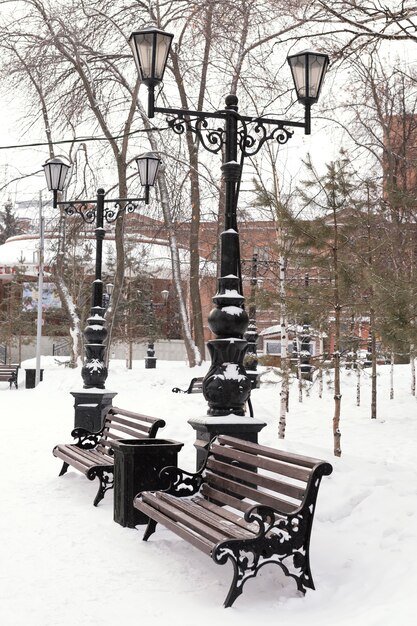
x=122 y=424
x=240 y=474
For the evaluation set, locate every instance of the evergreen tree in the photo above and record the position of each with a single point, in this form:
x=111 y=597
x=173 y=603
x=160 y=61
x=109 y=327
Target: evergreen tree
x=9 y=225
x=328 y=239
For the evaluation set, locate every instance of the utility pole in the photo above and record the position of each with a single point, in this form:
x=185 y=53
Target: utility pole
x=40 y=292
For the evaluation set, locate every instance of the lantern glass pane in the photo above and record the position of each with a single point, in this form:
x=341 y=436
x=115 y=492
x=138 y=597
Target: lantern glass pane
x=317 y=68
x=153 y=166
x=46 y=169
x=55 y=175
x=145 y=44
x=62 y=176
x=298 y=65
x=142 y=167
x=163 y=45
x=133 y=45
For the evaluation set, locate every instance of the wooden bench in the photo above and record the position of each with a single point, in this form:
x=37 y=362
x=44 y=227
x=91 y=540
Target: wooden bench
x=195 y=386
x=92 y=454
x=8 y=373
x=250 y=504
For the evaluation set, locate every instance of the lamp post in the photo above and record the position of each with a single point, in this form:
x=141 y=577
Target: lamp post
x=251 y=357
x=165 y=298
x=107 y=295
x=306 y=367
x=226 y=386
x=94 y=371
x=150 y=359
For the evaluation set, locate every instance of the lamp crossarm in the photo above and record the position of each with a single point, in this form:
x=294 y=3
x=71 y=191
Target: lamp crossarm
x=252 y=132
x=87 y=208
x=222 y=114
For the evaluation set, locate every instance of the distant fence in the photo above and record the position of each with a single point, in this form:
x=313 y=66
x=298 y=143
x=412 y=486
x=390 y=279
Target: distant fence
x=61 y=348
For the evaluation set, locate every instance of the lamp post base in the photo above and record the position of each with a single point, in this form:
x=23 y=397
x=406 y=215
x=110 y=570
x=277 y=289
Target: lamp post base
x=206 y=428
x=91 y=407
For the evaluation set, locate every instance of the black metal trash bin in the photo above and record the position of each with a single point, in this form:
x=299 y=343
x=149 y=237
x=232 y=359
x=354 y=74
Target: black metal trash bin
x=31 y=378
x=137 y=463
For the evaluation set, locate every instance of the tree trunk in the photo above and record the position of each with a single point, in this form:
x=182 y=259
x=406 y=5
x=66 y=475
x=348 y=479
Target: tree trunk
x=284 y=351
x=337 y=308
x=337 y=395
x=358 y=383
x=193 y=353
x=321 y=365
x=391 y=393
x=373 y=344
x=300 y=379
x=192 y=145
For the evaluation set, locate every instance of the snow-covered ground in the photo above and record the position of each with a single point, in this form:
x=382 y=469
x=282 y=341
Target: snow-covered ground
x=65 y=562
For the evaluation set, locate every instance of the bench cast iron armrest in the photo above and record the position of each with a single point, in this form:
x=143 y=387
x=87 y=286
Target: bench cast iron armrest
x=268 y=519
x=181 y=483
x=86 y=439
x=280 y=540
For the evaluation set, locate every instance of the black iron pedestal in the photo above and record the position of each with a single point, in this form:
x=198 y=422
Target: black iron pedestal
x=206 y=428
x=91 y=407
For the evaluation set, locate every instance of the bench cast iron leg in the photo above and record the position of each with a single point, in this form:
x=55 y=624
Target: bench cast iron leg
x=235 y=589
x=63 y=469
x=106 y=483
x=150 y=529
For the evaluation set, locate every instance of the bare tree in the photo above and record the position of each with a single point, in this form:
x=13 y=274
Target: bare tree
x=82 y=89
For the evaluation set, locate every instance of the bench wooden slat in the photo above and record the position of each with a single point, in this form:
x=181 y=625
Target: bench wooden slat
x=291 y=471
x=255 y=479
x=197 y=541
x=118 y=428
x=223 y=498
x=280 y=455
x=224 y=513
x=171 y=509
x=228 y=528
x=85 y=461
x=115 y=411
x=91 y=456
x=72 y=460
x=255 y=495
x=114 y=421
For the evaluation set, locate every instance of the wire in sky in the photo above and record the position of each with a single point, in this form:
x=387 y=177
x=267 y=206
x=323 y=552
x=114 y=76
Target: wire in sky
x=82 y=139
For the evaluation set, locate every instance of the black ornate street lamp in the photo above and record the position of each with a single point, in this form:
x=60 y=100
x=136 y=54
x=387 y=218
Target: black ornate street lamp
x=150 y=359
x=226 y=386
x=94 y=371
